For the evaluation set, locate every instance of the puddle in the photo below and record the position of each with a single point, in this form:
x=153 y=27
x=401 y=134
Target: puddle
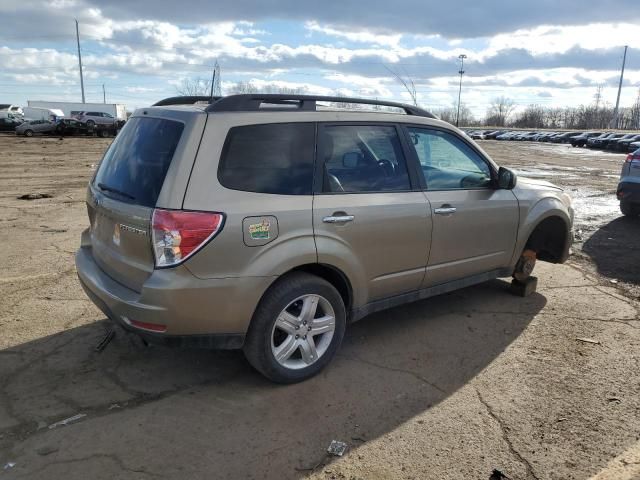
x=593 y=208
x=540 y=173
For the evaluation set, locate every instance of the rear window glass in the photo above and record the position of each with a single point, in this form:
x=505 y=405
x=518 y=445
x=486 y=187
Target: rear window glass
x=273 y=158
x=134 y=167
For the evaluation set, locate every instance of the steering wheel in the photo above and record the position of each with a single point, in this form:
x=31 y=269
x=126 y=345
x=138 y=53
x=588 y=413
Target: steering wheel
x=387 y=167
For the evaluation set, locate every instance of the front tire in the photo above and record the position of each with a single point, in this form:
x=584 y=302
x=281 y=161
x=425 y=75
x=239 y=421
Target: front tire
x=28 y=133
x=296 y=329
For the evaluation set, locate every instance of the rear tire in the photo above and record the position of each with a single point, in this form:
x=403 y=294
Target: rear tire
x=28 y=133
x=628 y=209
x=90 y=123
x=275 y=346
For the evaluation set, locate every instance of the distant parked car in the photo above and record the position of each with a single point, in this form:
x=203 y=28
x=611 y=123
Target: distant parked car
x=629 y=187
x=478 y=134
x=605 y=142
x=565 y=137
x=493 y=135
x=9 y=124
x=28 y=129
x=91 y=119
x=596 y=142
x=616 y=144
x=581 y=140
x=547 y=136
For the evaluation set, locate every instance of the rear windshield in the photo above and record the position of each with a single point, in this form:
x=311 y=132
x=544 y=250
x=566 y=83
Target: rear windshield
x=134 y=167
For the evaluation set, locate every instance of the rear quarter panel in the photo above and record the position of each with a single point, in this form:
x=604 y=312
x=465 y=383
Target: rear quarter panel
x=228 y=255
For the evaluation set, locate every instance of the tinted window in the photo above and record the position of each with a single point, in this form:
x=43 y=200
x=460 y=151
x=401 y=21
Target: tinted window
x=274 y=158
x=447 y=162
x=138 y=159
x=363 y=158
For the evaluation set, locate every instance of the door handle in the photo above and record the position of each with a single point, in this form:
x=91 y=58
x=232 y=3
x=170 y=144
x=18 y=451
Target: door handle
x=444 y=210
x=338 y=219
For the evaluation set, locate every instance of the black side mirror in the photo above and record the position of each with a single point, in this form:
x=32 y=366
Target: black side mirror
x=507 y=179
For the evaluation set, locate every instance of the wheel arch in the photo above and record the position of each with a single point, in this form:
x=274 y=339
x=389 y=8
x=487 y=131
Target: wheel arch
x=548 y=232
x=336 y=277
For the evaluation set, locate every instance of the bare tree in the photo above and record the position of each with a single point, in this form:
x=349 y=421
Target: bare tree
x=197 y=86
x=499 y=111
x=449 y=114
x=248 y=87
x=407 y=83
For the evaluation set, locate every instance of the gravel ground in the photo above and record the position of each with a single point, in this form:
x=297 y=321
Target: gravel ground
x=456 y=386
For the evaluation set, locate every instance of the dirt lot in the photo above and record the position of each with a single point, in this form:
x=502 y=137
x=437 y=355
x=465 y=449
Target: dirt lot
x=453 y=387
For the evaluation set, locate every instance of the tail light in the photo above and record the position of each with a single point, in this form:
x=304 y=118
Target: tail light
x=178 y=234
x=635 y=156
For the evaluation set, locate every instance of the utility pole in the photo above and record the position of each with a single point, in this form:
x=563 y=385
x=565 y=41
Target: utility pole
x=461 y=72
x=104 y=95
x=215 y=81
x=614 y=121
x=80 y=60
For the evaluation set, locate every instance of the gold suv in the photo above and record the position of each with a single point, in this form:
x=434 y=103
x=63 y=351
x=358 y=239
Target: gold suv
x=269 y=222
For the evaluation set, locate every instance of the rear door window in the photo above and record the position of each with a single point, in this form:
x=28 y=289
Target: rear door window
x=271 y=158
x=363 y=158
x=136 y=163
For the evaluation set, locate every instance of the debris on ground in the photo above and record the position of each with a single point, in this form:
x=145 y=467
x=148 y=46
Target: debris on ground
x=9 y=465
x=34 y=196
x=67 y=421
x=105 y=340
x=46 y=450
x=498 y=475
x=337 y=448
x=589 y=340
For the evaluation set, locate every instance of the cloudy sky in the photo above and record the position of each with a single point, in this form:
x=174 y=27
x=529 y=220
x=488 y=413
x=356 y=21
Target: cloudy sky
x=552 y=53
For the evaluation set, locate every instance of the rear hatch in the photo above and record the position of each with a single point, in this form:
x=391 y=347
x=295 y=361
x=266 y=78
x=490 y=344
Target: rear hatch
x=124 y=192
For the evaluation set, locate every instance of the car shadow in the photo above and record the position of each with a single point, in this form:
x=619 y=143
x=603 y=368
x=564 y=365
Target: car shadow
x=615 y=249
x=218 y=415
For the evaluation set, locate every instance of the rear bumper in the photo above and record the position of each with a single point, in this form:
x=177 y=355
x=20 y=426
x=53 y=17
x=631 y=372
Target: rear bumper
x=196 y=312
x=629 y=192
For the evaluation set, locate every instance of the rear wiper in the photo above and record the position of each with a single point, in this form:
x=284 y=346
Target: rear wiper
x=107 y=188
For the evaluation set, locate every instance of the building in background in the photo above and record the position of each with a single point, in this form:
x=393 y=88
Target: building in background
x=118 y=110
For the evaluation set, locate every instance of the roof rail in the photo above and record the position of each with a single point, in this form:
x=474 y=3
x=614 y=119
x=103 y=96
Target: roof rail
x=185 y=100
x=303 y=103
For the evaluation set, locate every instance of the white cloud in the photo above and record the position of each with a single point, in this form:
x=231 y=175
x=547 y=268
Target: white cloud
x=559 y=39
x=362 y=36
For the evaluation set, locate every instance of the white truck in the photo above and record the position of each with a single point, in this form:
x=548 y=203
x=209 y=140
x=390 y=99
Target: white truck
x=39 y=113
x=70 y=109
